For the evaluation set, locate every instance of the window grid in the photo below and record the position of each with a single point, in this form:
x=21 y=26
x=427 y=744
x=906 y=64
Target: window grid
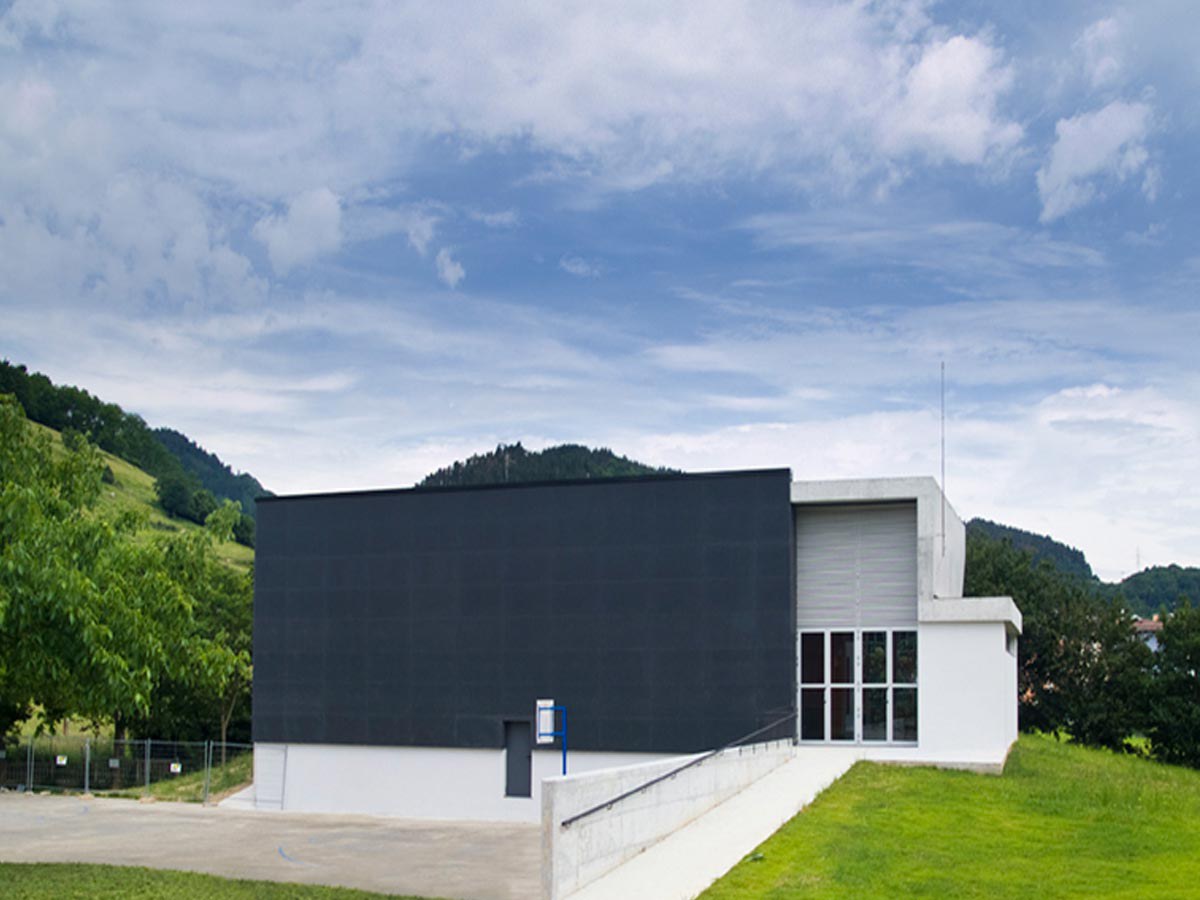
x=859 y=685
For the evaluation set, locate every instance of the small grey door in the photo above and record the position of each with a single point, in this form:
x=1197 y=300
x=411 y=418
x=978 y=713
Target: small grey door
x=518 y=759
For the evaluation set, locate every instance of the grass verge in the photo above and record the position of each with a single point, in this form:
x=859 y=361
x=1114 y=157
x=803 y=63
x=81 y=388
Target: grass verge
x=1063 y=821
x=237 y=773
x=77 y=881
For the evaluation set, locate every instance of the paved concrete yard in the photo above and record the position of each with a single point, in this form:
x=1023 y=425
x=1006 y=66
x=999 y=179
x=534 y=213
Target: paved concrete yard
x=465 y=860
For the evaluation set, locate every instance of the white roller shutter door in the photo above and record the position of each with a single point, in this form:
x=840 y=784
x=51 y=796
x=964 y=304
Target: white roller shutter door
x=856 y=565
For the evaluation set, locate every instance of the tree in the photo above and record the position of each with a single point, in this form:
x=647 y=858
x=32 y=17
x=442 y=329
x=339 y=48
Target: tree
x=85 y=614
x=215 y=686
x=174 y=495
x=203 y=504
x=244 y=531
x=97 y=621
x=1174 y=708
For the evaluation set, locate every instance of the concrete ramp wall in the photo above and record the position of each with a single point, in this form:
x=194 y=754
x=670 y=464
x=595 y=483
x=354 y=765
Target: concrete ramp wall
x=583 y=851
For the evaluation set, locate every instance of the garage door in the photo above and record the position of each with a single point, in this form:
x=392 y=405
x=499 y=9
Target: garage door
x=856 y=565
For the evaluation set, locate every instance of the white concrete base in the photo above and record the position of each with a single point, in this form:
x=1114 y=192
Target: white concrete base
x=439 y=783
x=682 y=865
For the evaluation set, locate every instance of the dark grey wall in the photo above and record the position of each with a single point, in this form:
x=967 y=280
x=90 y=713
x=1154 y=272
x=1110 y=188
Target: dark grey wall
x=658 y=610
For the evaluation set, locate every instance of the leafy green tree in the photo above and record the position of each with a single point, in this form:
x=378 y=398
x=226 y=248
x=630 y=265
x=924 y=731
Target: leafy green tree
x=244 y=531
x=84 y=612
x=215 y=687
x=1174 y=708
x=174 y=495
x=95 y=620
x=203 y=504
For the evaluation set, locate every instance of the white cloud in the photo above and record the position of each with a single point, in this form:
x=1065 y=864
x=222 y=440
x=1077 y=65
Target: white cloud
x=949 y=109
x=1100 y=52
x=634 y=95
x=218 y=103
x=420 y=228
x=580 y=267
x=311 y=228
x=449 y=270
x=1109 y=143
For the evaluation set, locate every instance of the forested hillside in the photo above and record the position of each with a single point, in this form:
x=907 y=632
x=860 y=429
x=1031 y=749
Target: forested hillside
x=68 y=409
x=513 y=463
x=1152 y=589
x=198 y=479
x=214 y=475
x=1066 y=559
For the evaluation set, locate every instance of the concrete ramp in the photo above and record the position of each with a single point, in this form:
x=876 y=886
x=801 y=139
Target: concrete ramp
x=682 y=865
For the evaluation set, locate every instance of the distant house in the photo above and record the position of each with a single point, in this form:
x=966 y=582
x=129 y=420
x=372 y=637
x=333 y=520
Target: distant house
x=402 y=638
x=1147 y=630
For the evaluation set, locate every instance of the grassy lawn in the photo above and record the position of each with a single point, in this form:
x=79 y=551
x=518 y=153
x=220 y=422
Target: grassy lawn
x=1063 y=821
x=52 y=881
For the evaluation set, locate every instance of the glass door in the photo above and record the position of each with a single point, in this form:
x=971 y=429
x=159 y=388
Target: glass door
x=858 y=686
x=841 y=685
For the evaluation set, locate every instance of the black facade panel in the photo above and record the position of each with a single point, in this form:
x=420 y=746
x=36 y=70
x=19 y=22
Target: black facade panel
x=659 y=611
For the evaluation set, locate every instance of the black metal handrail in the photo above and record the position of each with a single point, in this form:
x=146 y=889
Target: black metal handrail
x=608 y=804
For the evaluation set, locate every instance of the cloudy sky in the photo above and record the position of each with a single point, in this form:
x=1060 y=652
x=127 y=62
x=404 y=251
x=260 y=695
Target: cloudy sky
x=342 y=244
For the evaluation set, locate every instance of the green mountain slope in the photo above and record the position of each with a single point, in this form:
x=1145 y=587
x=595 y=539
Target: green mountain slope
x=133 y=489
x=513 y=463
x=161 y=452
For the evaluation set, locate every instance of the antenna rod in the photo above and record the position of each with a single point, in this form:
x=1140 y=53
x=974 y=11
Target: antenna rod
x=943 y=457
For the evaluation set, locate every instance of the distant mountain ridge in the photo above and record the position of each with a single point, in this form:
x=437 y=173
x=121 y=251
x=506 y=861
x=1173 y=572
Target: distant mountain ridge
x=161 y=452
x=1145 y=592
x=1067 y=560
x=512 y=463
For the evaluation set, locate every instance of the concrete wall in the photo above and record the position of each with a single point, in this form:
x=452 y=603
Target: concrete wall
x=966 y=696
x=410 y=782
x=940 y=557
x=584 y=851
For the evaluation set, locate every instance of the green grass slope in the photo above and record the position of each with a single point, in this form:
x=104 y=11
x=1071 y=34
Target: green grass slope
x=77 y=881
x=1063 y=821
x=134 y=489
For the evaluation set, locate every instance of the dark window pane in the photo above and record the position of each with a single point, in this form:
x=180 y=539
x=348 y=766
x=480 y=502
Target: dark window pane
x=812 y=658
x=904 y=657
x=841 y=714
x=812 y=714
x=841 y=657
x=875 y=714
x=904 y=714
x=875 y=657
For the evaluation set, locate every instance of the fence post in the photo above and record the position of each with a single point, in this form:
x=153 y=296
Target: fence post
x=29 y=766
x=147 y=764
x=87 y=764
x=208 y=755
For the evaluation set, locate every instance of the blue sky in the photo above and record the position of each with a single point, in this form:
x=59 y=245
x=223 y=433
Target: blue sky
x=343 y=244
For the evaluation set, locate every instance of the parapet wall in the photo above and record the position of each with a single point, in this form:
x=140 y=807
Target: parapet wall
x=579 y=853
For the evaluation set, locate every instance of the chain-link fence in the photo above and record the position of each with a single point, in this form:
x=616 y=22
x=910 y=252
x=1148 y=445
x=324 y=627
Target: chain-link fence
x=169 y=770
